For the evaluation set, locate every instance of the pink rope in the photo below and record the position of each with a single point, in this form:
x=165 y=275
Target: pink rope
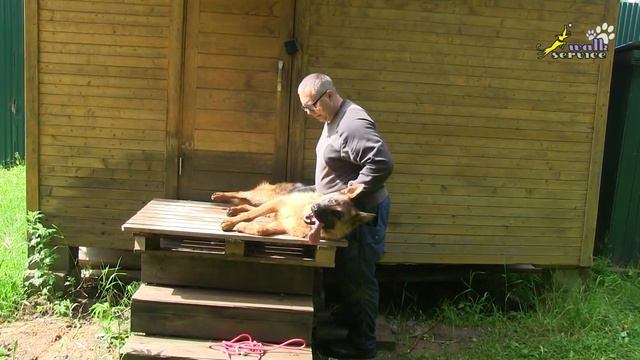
x=250 y=347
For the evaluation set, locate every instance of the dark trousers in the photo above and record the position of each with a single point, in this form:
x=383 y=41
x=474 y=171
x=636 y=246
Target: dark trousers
x=355 y=272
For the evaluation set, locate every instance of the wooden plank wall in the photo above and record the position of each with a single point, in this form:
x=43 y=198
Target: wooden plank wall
x=103 y=105
x=492 y=146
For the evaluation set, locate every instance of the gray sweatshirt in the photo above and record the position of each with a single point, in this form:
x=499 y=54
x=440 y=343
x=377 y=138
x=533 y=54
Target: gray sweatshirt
x=349 y=151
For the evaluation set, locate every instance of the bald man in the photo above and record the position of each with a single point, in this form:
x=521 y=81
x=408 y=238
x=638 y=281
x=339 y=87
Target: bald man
x=351 y=151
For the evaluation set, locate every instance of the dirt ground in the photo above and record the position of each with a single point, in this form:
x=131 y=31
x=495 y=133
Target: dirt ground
x=48 y=338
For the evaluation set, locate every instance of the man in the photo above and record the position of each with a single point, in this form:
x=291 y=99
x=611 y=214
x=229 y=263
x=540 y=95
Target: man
x=350 y=150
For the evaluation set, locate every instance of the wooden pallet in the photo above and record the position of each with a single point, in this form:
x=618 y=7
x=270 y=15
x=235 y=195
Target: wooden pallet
x=203 y=271
x=192 y=226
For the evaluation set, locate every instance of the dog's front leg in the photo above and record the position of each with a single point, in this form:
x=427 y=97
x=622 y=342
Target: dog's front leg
x=267 y=208
x=272 y=228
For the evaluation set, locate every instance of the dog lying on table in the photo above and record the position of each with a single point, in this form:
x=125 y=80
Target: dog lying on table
x=305 y=214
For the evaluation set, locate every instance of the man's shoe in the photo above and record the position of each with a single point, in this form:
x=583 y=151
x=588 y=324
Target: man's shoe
x=343 y=349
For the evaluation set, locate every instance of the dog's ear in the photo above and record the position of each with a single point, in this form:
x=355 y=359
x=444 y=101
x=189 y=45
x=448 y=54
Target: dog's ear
x=353 y=190
x=364 y=217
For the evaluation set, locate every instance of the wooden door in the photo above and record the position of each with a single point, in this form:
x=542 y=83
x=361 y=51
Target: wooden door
x=236 y=94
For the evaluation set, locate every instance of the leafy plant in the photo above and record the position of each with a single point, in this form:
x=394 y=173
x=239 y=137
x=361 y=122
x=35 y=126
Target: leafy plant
x=42 y=280
x=64 y=308
x=8 y=353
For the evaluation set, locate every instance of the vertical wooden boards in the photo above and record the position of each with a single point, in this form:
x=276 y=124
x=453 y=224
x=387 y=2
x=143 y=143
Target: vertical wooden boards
x=236 y=95
x=497 y=152
x=31 y=104
x=597 y=148
x=102 y=99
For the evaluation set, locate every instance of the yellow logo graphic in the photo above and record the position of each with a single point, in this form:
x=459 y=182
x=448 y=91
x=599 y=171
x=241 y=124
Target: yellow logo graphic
x=560 y=42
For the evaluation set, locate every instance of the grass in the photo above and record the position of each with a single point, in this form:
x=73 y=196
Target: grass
x=13 y=243
x=532 y=319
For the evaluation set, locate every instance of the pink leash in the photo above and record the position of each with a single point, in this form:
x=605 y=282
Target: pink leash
x=250 y=347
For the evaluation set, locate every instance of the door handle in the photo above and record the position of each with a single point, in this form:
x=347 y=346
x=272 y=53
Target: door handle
x=13 y=106
x=280 y=68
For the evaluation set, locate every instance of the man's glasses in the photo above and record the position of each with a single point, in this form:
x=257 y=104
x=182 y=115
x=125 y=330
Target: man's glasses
x=313 y=106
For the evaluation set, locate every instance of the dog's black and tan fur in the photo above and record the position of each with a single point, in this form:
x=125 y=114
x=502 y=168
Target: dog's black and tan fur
x=296 y=213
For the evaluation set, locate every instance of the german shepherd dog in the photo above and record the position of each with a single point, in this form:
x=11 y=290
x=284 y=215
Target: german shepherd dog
x=308 y=215
x=258 y=195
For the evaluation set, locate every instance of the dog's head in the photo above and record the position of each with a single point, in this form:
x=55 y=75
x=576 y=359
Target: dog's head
x=337 y=214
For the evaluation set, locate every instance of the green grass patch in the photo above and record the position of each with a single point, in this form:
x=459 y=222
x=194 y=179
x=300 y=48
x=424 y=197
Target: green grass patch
x=13 y=242
x=599 y=319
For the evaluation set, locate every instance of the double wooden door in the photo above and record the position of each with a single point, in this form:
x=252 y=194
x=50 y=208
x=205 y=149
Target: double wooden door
x=236 y=95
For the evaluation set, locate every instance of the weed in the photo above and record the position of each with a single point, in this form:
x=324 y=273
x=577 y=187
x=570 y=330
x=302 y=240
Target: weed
x=42 y=281
x=113 y=308
x=8 y=352
x=64 y=308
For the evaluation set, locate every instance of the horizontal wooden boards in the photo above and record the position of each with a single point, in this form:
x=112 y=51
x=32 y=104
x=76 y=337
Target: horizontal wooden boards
x=103 y=97
x=148 y=348
x=166 y=268
x=196 y=219
x=471 y=257
x=293 y=304
x=491 y=145
x=220 y=314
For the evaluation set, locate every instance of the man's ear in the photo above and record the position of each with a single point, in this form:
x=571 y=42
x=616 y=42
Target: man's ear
x=364 y=217
x=353 y=190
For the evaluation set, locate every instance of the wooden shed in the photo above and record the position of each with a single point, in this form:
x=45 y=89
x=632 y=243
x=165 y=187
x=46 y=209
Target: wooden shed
x=498 y=152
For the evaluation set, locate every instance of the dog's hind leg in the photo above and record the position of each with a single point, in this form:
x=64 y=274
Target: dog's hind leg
x=272 y=228
x=235 y=197
x=235 y=210
x=267 y=208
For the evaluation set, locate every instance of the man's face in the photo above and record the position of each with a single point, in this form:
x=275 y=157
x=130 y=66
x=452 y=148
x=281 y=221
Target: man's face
x=316 y=105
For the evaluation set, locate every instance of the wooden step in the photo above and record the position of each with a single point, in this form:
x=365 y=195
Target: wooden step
x=200 y=270
x=146 y=347
x=220 y=314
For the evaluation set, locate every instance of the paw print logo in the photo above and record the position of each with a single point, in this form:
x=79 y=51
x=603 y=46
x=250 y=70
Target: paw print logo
x=604 y=32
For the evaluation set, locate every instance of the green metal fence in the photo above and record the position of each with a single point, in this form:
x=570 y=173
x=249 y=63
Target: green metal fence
x=618 y=230
x=12 y=127
x=628 y=23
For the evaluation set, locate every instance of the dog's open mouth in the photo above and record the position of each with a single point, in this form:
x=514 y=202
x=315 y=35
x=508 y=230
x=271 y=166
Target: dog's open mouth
x=316 y=228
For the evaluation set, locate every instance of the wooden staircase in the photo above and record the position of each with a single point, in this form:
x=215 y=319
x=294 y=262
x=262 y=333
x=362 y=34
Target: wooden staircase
x=202 y=285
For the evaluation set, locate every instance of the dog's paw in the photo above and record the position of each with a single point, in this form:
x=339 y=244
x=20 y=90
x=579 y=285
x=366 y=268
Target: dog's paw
x=227 y=225
x=235 y=210
x=218 y=197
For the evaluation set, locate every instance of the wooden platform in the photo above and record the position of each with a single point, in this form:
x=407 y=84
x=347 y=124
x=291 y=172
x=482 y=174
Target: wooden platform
x=203 y=271
x=146 y=347
x=194 y=227
x=220 y=314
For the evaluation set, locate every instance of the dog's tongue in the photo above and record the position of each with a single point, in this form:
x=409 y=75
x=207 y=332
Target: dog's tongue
x=314 y=235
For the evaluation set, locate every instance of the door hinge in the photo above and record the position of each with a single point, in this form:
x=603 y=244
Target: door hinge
x=180 y=166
